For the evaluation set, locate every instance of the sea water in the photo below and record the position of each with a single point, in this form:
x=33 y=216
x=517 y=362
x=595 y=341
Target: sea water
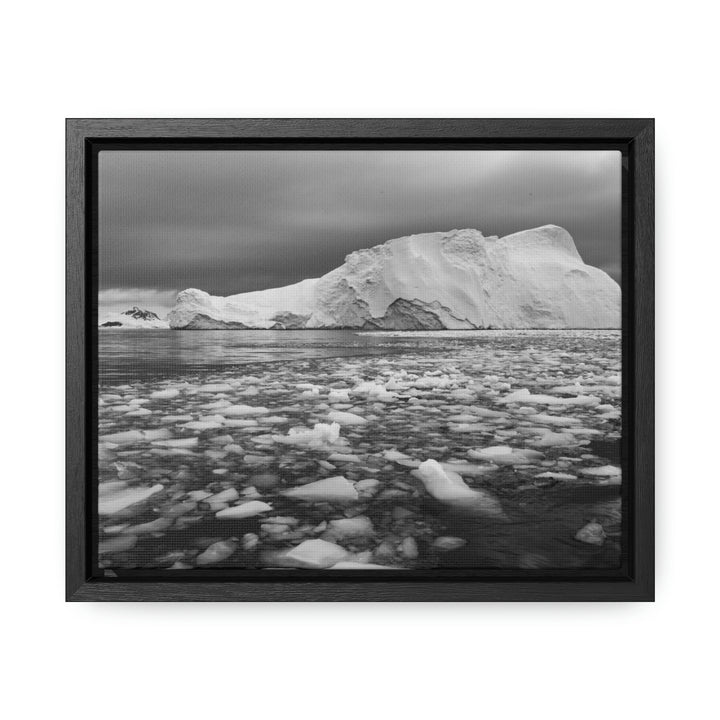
x=259 y=449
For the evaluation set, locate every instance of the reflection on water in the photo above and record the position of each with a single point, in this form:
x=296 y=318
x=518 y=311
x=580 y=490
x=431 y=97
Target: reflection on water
x=195 y=426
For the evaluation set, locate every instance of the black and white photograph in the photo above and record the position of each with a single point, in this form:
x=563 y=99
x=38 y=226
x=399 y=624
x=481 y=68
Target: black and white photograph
x=352 y=359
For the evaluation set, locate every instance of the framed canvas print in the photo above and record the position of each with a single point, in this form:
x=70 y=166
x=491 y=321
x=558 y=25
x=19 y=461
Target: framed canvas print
x=360 y=360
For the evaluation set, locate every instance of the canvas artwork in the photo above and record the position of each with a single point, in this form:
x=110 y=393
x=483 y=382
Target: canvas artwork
x=361 y=360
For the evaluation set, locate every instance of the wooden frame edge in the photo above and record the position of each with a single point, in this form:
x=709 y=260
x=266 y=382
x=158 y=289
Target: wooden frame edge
x=638 y=132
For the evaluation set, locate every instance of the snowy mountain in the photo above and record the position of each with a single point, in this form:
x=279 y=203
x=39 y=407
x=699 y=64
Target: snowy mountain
x=135 y=318
x=443 y=280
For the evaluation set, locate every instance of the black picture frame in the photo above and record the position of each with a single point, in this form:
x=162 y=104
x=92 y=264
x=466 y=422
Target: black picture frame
x=634 y=137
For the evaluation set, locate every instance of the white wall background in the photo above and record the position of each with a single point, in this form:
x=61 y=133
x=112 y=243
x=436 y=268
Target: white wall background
x=331 y=59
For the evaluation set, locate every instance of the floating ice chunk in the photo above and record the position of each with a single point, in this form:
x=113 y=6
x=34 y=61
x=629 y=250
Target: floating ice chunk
x=333 y=489
x=468 y=468
x=367 y=486
x=217 y=552
x=140 y=412
x=158 y=525
x=315 y=554
x=395 y=455
x=524 y=396
x=467 y=427
x=603 y=471
x=321 y=435
x=443 y=485
x=198 y=495
x=246 y=510
x=464 y=418
x=250 y=459
x=505 y=455
x=374 y=391
x=165 y=394
x=446 y=543
x=448 y=487
x=593 y=533
x=429 y=382
x=244 y=410
x=553 y=439
x=119 y=543
x=111 y=502
x=557 y=476
x=338 y=396
x=409 y=548
x=136 y=436
x=215 y=388
x=344 y=457
x=176 y=418
x=543 y=419
x=249 y=541
x=359 y=526
x=225 y=496
x=346 y=418
x=202 y=425
x=177 y=442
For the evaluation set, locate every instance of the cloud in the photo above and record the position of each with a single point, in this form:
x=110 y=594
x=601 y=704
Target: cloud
x=234 y=221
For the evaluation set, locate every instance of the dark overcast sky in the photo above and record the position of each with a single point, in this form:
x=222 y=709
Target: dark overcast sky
x=234 y=221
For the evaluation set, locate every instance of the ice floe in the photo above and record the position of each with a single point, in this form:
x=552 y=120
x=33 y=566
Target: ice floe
x=334 y=489
x=246 y=510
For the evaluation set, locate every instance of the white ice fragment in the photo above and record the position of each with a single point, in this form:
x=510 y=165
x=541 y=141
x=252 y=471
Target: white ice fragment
x=243 y=411
x=321 y=435
x=447 y=542
x=593 y=533
x=118 y=543
x=557 y=476
x=443 y=485
x=449 y=487
x=157 y=525
x=165 y=394
x=367 y=486
x=359 y=526
x=202 y=425
x=214 y=388
x=136 y=436
x=395 y=455
x=543 y=419
x=225 y=496
x=111 y=502
x=217 y=552
x=338 y=396
x=505 y=455
x=553 y=439
x=346 y=418
x=344 y=457
x=603 y=471
x=333 y=489
x=246 y=510
x=177 y=442
x=525 y=396
x=315 y=554
x=374 y=391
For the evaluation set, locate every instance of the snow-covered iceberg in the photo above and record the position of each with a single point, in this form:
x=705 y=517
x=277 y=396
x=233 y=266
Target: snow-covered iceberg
x=134 y=318
x=443 y=280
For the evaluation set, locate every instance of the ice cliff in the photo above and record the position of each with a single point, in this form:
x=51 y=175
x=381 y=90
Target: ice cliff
x=442 y=280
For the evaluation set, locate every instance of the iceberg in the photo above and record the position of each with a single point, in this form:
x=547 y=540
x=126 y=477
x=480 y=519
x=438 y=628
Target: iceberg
x=455 y=280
